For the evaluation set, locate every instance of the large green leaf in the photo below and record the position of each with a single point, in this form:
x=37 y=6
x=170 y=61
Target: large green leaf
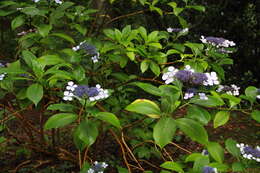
x=256 y=115
x=31 y=11
x=211 y=102
x=44 y=30
x=50 y=60
x=151 y=89
x=216 y=151
x=173 y=166
x=146 y=107
x=18 y=21
x=35 y=93
x=109 y=118
x=232 y=148
x=87 y=132
x=193 y=129
x=63 y=36
x=60 y=120
x=62 y=107
x=198 y=113
x=28 y=57
x=221 y=118
x=164 y=130
x=199 y=163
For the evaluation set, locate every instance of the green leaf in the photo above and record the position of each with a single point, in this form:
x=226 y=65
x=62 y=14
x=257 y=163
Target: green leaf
x=232 y=99
x=193 y=130
x=31 y=11
x=156 y=45
x=28 y=57
x=50 y=60
x=211 y=102
x=196 y=7
x=60 y=120
x=153 y=36
x=199 y=163
x=61 y=107
x=131 y=55
x=71 y=56
x=35 y=93
x=164 y=130
x=146 y=107
x=155 y=68
x=44 y=29
x=79 y=73
x=109 y=118
x=230 y=145
x=221 y=118
x=87 y=133
x=221 y=167
x=63 y=36
x=109 y=33
x=143 y=32
x=173 y=166
x=216 y=151
x=251 y=93
x=80 y=29
x=151 y=89
x=238 y=167
x=192 y=157
x=144 y=65
x=177 y=11
x=18 y=21
x=198 y=113
x=256 y=115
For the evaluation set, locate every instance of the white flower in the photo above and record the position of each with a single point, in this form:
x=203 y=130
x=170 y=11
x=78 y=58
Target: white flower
x=212 y=79
x=203 y=96
x=58 y=1
x=188 y=68
x=170 y=30
x=258 y=96
x=188 y=95
x=168 y=77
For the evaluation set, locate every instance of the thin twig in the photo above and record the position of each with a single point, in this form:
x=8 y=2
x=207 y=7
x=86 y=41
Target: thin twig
x=180 y=147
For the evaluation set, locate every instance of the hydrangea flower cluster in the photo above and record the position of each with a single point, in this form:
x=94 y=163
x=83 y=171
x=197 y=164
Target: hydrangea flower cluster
x=249 y=153
x=84 y=91
x=190 y=77
x=56 y=1
x=217 y=41
x=90 y=49
x=231 y=90
x=208 y=169
x=170 y=30
x=2 y=76
x=98 y=167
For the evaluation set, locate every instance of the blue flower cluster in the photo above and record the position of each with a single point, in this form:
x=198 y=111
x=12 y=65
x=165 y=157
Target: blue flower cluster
x=217 y=41
x=83 y=91
x=191 y=78
x=98 y=167
x=56 y=1
x=89 y=49
x=249 y=153
x=208 y=169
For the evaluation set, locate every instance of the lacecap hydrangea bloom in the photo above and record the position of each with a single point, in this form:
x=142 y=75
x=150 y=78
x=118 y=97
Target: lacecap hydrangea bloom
x=208 y=169
x=56 y=1
x=83 y=91
x=249 y=152
x=89 y=49
x=170 y=30
x=217 y=41
x=98 y=167
x=231 y=90
x=189 y=77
